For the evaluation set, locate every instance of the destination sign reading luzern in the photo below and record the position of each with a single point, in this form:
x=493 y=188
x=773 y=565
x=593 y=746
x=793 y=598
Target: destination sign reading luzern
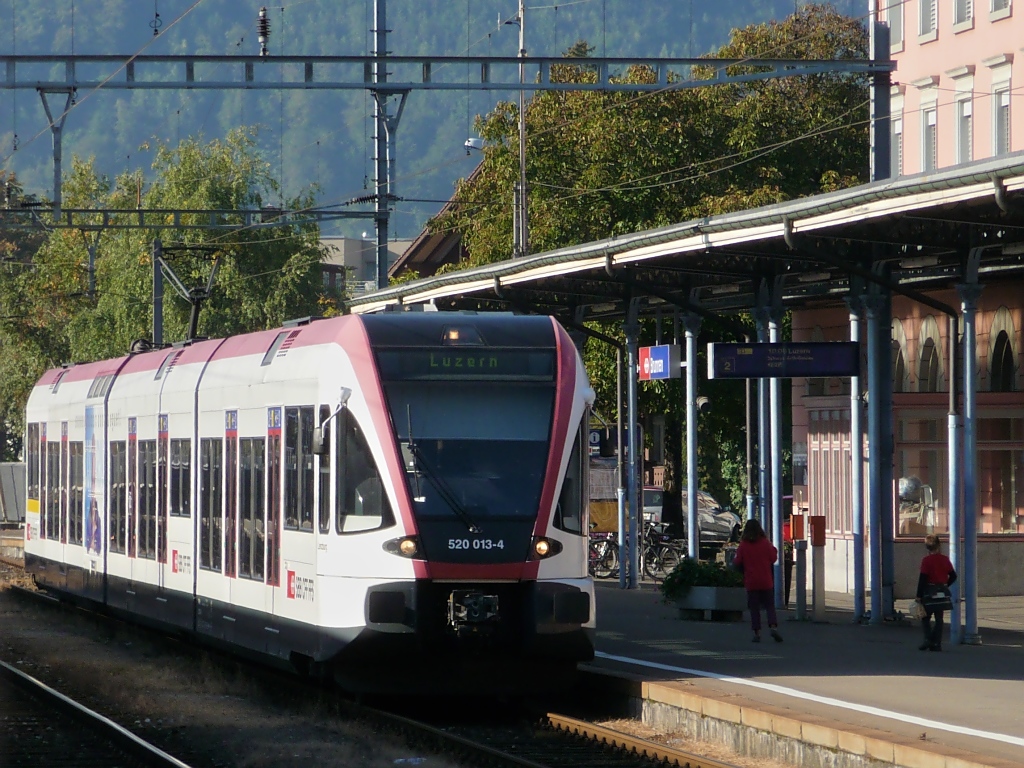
x=467 y=363
x=783 y=360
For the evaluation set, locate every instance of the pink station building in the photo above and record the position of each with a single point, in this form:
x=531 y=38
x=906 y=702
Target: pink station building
x=956 y=97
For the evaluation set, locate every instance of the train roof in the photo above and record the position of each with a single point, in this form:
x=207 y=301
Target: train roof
x=389 y=329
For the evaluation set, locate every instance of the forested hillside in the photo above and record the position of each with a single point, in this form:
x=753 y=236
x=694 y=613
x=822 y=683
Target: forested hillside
x=319 y=139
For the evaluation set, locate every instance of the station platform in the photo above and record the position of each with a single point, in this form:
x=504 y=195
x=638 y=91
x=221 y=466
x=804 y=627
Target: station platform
x=835 y=693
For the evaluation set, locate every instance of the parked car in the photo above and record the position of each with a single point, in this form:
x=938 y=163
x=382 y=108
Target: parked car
x=717 y=525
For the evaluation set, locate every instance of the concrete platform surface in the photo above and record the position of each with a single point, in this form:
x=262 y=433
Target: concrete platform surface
x=855 y=686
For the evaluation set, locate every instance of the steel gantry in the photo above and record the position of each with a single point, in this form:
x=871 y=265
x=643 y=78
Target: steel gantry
x=385 y=76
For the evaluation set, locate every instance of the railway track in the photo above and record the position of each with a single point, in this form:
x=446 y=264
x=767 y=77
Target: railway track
x=554 y=741
x=40 y=726
x=516 y=737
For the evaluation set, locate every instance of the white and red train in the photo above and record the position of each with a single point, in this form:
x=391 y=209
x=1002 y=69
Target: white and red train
x=399 y=496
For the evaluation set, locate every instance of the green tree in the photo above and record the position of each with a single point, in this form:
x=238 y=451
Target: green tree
x=600 y=164
x=57 y=310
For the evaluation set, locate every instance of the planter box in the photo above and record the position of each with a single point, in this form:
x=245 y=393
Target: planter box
x=713 y=604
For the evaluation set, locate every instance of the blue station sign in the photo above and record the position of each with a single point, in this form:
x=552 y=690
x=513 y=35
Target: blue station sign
x=783 y=360
x=661 y=362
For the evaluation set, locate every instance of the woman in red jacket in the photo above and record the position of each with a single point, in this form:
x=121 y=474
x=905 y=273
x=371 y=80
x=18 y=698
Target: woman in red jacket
x=936 y=571
x=755 y=557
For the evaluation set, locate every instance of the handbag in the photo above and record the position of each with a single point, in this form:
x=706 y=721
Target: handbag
x=937 y=598
x=916 y=609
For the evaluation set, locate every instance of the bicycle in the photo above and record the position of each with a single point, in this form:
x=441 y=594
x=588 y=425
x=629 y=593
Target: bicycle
x=604 y=555
x=661 y=553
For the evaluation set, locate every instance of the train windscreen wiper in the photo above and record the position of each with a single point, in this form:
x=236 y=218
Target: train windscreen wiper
x=416 y=463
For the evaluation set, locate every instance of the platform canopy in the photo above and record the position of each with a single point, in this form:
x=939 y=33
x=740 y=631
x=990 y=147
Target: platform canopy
x=919 y=232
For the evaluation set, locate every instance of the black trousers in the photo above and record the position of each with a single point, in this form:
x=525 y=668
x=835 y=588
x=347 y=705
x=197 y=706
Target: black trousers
x=933 y=632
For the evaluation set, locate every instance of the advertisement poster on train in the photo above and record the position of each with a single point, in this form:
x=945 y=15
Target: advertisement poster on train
x=95 y=480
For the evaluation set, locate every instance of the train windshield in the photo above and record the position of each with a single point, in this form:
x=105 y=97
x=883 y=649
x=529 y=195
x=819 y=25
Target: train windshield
x=474 y=450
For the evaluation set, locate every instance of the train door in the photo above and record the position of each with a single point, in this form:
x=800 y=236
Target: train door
x=63 y=490
x=51 y=500
x=163 y=467
x=231 y=494
x=299 y=542
x=273 y=511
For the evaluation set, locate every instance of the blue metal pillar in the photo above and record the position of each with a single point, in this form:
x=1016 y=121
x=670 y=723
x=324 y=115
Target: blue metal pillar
x=764 y=446
x=874 y=307
x=953 y=475
x=884 y=467
x=857 y=469
x=632 y=330
x=775 y=506
x=969 y=293
x=692 y=325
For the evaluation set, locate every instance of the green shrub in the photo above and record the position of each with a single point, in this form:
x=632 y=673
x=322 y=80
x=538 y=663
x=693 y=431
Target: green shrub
x=697 y=573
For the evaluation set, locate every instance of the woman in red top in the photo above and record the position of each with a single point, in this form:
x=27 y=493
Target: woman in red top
x=755 y=557
x=936 y=570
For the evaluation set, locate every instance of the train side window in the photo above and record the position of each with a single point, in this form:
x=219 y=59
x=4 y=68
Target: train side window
x=76 y=490
x=362 y=501
x=133 y=493
x=41 y=490
x=32 y=455
x=146 y=495
x=231 y=508
x=323 y=463
x=274 y=472
x=299 y=468
x=181 y=477
x=118 y=492
x=210 y=504
x=53 y=490
x=250 y=507
x=64 y=469
x=569 y=514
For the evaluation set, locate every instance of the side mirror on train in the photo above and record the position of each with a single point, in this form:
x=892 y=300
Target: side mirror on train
x=321 y=435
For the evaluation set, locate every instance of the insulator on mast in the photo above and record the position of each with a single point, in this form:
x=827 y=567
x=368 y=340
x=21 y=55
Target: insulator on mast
x=263 y=27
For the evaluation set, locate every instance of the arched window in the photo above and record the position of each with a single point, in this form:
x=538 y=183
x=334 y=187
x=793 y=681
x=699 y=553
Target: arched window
x=899 y=357
x=928 y=372
x=1003 y=368
x=899 y=367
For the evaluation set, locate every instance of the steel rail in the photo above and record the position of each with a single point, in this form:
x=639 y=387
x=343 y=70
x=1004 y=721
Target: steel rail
x=634 y=744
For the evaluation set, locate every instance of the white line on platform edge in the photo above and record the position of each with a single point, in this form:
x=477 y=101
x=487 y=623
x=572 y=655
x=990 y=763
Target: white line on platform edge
x=862 y=708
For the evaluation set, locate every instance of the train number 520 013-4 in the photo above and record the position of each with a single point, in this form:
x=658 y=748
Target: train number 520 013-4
x=476 y=543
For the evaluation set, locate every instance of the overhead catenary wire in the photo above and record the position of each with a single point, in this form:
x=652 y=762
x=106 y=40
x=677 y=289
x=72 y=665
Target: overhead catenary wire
x=78 y=102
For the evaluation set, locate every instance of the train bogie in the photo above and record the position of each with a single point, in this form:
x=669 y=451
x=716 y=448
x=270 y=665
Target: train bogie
x=352 y=496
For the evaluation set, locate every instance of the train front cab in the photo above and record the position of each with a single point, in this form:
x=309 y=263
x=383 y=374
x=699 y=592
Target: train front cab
x=487 y=437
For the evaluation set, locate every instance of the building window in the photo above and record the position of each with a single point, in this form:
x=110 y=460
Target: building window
x=928 y=371
x=929 y=143
x=963 y=11
x=999 y=6
x=964 y=134
x=1002 y=121
x=894 y=15
x=899 y=367
x=896 y=147
x=929 y=17
x=1003 y=368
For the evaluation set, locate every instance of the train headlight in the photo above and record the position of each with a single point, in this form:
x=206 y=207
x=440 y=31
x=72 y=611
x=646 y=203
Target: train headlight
x=407 y=546
x=543 y=548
